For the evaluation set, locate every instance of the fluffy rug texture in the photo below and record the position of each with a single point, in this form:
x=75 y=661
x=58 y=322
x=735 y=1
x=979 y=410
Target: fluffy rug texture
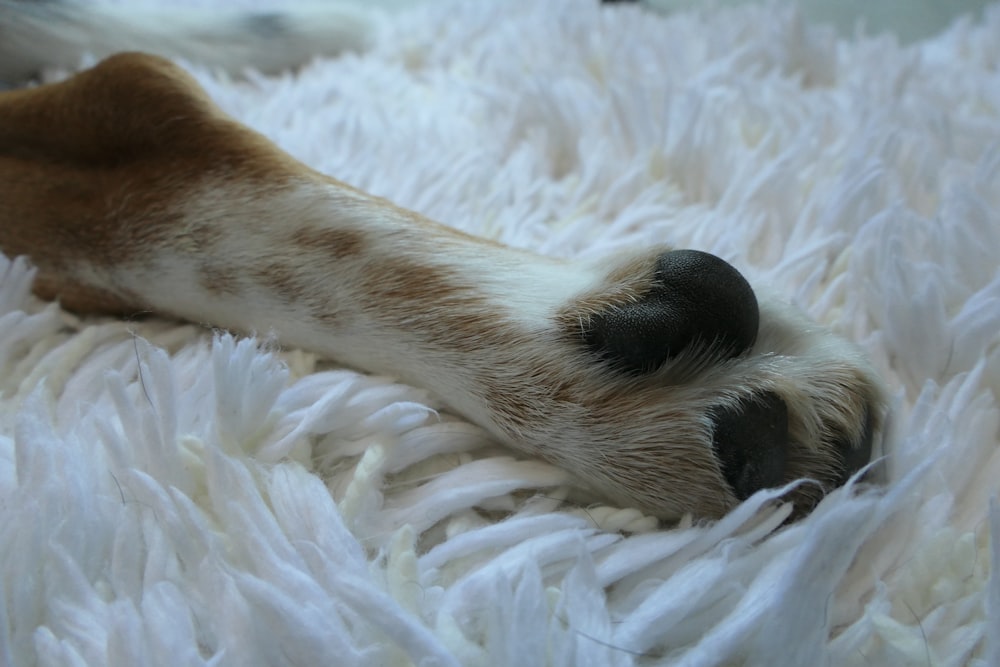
x=170 y=496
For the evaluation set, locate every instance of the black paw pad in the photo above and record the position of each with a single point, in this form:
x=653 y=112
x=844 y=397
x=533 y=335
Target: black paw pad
x=697 y=298
x=751 y=443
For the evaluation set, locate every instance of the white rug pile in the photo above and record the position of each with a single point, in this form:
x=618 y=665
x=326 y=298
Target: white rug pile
x=170 y=497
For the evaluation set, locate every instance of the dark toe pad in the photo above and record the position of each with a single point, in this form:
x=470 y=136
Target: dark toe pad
x=696 y=298
x=751 y=443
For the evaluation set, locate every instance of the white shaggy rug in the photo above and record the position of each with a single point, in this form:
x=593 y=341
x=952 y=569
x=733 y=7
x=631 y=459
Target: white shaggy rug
x=170 y=497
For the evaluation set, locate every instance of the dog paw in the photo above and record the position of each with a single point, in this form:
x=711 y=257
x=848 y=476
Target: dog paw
x=685 y=391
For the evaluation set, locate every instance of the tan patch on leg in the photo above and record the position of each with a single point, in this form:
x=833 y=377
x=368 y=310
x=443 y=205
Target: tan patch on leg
x=335 y=243
x=218 y=280
x=80 y=298
x=284 y=280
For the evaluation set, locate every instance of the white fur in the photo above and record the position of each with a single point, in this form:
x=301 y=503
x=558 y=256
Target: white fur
x=178 y=507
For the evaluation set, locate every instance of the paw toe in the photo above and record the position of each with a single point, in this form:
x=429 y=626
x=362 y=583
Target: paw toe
x=697 y=298
x=856 y=453
x=750 y=441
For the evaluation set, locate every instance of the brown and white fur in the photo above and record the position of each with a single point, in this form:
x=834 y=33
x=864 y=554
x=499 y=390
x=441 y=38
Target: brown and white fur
x=131 y=191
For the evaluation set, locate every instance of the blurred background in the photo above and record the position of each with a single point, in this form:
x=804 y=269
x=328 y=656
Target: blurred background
x=909 y=19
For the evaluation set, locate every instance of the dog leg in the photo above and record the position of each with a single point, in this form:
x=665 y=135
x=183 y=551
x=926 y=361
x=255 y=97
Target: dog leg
x=657 y=378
